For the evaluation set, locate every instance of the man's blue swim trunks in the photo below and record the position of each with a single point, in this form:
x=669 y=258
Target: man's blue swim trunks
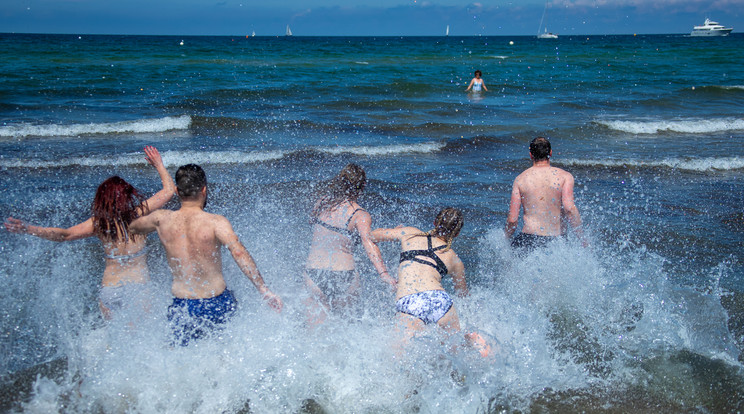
x=192 y=319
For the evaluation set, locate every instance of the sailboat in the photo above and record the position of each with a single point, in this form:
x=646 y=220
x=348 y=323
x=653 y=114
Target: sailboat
x=545 y=34
x=446 y=33
x=253 y=33
x=289 y=32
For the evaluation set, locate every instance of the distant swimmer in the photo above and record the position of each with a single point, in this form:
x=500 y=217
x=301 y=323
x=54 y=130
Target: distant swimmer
x=425 y=259
x=546 y=196
x=115 y=205
x=339 y=223
x=192 y=239
x=476 y=84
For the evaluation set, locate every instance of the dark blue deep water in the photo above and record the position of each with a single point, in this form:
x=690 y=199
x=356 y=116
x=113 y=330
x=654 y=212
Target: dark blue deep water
x=649 y=318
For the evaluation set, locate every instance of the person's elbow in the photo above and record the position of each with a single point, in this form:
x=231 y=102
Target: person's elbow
x=572 y=213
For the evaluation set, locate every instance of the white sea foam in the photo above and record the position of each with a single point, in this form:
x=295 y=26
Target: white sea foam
x=167 y=123
x=688 y=164
x=689 y=126
x=176 y=158
x=424 y=147
x=170 y=159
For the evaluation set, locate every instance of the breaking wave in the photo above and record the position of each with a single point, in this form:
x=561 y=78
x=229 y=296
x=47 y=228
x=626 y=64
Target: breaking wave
x=168 y=123
x=687 y=164
x=176 y=158
x=688 y=126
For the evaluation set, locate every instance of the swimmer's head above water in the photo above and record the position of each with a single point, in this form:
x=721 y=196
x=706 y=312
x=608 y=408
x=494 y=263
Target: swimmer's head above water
x=190 y=180
x=540 y=149
x=478 y=74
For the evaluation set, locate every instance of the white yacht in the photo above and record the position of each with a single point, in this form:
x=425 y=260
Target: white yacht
x=547 y=35
x=711 y=28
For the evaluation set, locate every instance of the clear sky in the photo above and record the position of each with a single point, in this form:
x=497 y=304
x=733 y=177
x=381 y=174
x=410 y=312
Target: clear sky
x=364 y=17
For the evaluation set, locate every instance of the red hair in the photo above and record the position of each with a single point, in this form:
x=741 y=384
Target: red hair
x=116 y=204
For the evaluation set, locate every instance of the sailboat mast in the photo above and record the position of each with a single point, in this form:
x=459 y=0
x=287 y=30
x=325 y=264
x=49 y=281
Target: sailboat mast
x=542 y=18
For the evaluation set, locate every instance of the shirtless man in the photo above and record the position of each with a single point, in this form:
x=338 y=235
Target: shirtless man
x=545 y=193
x=192 y=239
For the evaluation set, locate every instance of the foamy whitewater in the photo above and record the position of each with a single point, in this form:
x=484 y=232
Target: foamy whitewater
x=648 y=318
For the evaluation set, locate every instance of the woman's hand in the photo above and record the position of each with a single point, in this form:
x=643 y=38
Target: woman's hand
x=153 y=156
x=14 y=225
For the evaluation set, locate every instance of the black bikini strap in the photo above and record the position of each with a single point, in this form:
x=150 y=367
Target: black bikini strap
x=428 y=239
x=352 y=216
x=441 y=267
x=438 y=264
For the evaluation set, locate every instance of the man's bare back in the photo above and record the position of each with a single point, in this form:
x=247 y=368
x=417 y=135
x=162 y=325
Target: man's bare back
x=542 y=192
x=545 y=194
x=193 y=240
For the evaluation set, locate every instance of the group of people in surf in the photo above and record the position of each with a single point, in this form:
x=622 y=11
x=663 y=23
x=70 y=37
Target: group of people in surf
x=193 y=240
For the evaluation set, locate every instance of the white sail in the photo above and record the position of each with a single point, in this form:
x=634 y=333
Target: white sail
x=447 y=31
x=289 y=32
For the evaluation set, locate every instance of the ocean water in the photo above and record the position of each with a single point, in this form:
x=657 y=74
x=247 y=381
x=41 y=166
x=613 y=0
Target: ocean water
x=648 y=318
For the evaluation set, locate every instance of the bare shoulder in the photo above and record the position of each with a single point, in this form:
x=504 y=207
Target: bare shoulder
x=221 y=227
x=563 y=174
x=523 y=177
x=456 y=260
x=217 y=220
x=362 y=215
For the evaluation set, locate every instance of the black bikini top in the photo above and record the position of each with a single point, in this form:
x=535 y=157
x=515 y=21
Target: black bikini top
x=438 y=263
x=344 y=231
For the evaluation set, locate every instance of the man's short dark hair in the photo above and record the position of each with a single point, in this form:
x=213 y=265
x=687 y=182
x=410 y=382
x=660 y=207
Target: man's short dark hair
x=540 y=149
x=190 y=179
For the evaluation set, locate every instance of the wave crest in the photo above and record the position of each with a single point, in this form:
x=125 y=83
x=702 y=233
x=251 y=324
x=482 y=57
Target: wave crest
x=167 y=123
x=689 y=126
x=686 y=164
x=176 y=158
x=424 y=147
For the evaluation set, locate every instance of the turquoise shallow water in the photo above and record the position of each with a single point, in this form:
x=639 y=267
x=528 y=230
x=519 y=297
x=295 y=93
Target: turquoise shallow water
x=650 y=126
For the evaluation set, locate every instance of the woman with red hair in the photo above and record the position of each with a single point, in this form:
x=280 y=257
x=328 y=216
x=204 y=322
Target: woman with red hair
x=116 y=204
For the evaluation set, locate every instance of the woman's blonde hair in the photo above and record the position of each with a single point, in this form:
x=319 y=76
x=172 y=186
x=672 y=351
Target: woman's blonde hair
x=447 y=225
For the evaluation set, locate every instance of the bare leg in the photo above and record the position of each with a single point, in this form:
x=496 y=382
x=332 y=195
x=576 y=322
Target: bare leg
x=316 y=304
x=406 y=329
